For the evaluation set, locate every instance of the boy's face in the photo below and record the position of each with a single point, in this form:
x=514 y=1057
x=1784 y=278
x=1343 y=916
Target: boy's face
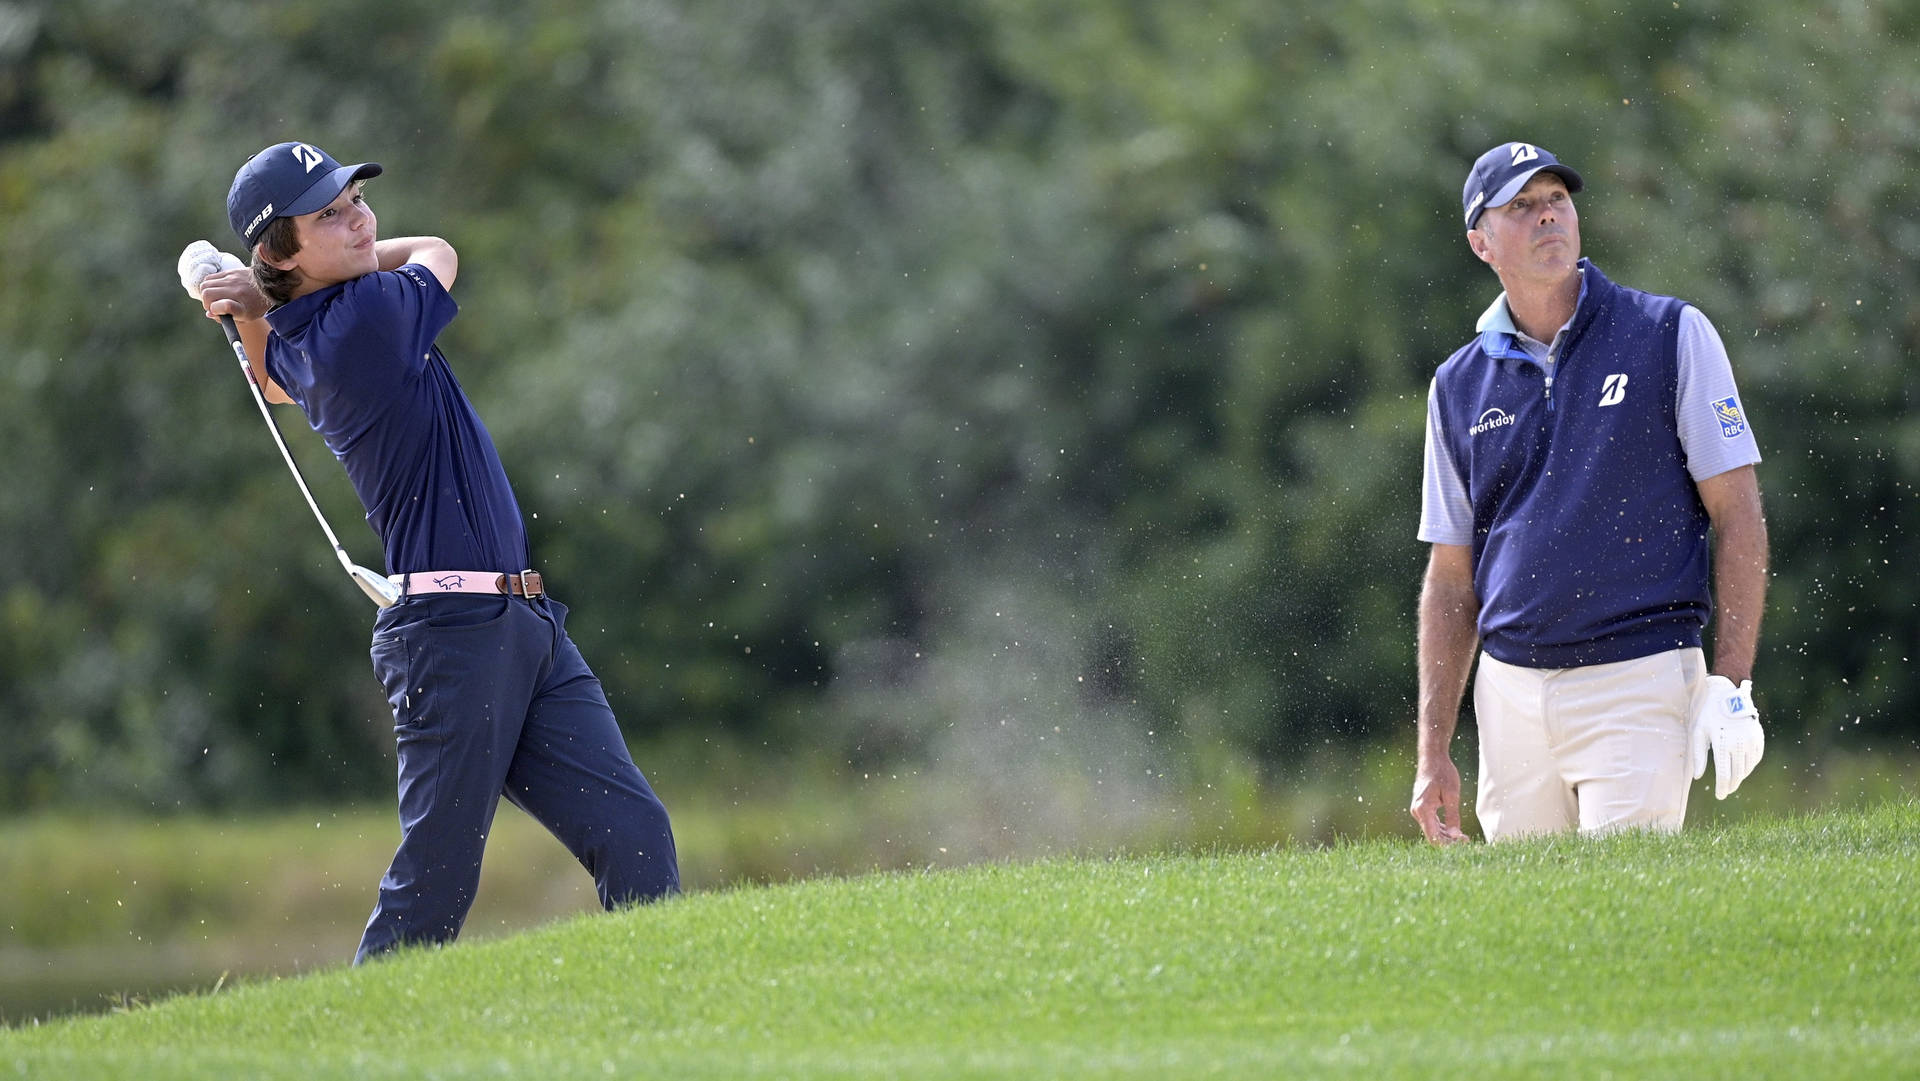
x=336 y=242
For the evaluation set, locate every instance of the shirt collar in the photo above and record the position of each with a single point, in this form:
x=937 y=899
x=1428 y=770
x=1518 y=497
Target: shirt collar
x=1498 y=318
x=291 y=318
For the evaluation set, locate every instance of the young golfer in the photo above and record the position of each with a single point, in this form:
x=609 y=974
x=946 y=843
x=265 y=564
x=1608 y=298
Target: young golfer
x=490 y=697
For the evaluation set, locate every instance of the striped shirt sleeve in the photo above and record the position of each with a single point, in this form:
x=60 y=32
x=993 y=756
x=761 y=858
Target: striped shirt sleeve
x=1446 y=516
x=1715 y=434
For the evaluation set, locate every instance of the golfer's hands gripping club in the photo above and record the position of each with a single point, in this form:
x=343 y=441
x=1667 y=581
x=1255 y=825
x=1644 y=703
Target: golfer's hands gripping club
x=1725 y=722
x=198 y=260
x=1436 y=802
x=220 y=282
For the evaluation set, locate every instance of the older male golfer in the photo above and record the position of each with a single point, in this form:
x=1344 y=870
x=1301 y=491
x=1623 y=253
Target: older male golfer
x=1581 y=451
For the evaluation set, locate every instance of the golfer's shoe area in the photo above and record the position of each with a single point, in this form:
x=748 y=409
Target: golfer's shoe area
x=524 y=584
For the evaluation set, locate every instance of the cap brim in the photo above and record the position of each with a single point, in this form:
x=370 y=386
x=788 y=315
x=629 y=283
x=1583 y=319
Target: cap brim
x=328 y=188
x=1512 y=188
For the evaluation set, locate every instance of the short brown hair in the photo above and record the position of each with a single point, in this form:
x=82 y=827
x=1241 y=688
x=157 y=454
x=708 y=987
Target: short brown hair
x=280 y=241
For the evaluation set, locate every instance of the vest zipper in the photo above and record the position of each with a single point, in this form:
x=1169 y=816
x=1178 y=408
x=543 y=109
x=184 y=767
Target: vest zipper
x=1549 y=382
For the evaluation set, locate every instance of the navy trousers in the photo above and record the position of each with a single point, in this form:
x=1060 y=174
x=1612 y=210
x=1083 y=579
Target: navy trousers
x=491 y=698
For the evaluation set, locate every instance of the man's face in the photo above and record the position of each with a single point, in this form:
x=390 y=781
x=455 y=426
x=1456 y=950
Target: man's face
x=1536 y=235
x=336 y=242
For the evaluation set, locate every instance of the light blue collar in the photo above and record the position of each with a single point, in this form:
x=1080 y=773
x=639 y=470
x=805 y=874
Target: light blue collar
x=1497 y=318
x=1497 y=321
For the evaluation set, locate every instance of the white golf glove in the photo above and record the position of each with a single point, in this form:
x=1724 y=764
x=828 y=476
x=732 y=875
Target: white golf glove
x=200 y=259
x=1725 y=721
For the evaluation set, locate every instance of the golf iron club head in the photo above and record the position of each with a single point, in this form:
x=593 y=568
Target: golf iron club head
x=376 y=586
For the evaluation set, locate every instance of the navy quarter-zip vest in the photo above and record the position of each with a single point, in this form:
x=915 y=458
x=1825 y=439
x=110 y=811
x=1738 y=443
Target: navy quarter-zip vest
x=1589 y=537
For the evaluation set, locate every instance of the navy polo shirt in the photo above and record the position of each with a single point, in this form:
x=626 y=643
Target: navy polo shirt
x=359 y=359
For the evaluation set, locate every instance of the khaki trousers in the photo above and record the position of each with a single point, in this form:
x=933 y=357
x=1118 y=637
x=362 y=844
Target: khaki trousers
x=1600 y=748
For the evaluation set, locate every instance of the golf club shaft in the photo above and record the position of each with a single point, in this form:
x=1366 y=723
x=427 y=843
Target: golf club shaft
x=260 y=399
x=200 y=261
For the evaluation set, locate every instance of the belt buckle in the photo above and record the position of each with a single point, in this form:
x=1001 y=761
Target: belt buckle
x=529 y=582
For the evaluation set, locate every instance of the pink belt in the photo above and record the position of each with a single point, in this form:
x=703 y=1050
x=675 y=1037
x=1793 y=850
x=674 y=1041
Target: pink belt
x=525 y=584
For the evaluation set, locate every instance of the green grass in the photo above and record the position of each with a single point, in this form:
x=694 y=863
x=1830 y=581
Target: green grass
x=97 y=912
x=1784 y=947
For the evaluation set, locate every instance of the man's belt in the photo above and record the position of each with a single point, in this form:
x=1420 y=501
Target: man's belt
x=524 y=584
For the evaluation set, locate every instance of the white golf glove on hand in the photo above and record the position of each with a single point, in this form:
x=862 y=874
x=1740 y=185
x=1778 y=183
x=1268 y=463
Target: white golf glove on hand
x=1725 y=721
x=200 y=259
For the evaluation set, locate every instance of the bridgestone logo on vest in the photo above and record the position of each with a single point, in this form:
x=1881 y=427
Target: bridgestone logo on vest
x=1492 y=418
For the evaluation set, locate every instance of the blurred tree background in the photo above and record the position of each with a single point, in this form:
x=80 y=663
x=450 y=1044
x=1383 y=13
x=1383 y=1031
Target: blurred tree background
x=955 y=384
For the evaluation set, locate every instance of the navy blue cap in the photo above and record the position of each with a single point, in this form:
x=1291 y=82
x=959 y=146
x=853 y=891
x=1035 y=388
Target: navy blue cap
x=286 y=180
x=1501 y=172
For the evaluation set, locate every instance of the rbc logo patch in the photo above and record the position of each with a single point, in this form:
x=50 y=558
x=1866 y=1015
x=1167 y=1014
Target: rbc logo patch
x=1733 y=423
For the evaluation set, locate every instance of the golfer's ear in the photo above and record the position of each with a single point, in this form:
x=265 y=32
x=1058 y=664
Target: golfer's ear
x=1477 y=241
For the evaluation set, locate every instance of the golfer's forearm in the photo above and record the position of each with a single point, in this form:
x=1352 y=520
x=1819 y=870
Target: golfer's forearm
x=1739 y=520
x=1740 y=591
x=1447 y=638
x=396 y=252
x=431 y=252
x=1443 y=683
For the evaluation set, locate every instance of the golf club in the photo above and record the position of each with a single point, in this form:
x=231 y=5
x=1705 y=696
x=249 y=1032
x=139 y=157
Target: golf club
x=199 y=260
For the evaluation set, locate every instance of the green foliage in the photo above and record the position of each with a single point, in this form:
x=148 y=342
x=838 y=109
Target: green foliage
x=1784 y=948
x=909 y=379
